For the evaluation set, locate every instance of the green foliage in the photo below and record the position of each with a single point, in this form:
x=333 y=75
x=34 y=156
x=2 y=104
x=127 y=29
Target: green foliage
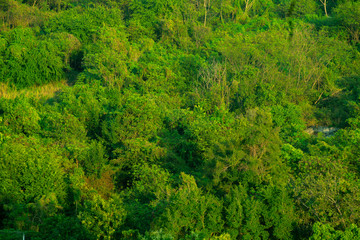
x=151 y=184
x=64 y=127
x=288 y=119
x=33 y=182
x=292 y=156
x=63 y=227
x=190 y=210
x=235 y=210
x=280 y=212
x=87 y=103
x=25 y=65
x=179 y=119
x=101 y=217
x=158 y=235
x=325 y=231
x=348 y=14
x=251 y=213
x=325 y=185
x=130 y=128
x=84 y=23
x=68 y=46
x=20 y=116
x=93 y=159
x=107 y=58
x=300 y=8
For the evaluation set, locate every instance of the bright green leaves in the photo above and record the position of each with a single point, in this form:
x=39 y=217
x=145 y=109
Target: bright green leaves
x=292 y=156
x=146 y=199
x=130 y=132
x=189 y=210
x=225 y=148
x=87 y=103
x=288 y=119
x=63 y=127
x=31 y=162
x=84 y=23
x=234 y=210
x=151 y=183
x=151 y=14
x=102 y=217
x=93 y=159
x=326 y=231
x=348 y=13
x=33 y=178
x=68 y=46
x=184 y=120
x=19 y=116
x=25 y=65
x=326 y=187
x=280 y=211
x=106 y=59
x=263 y=148
x=270 y=70
x=252 y=213
x=137 y=118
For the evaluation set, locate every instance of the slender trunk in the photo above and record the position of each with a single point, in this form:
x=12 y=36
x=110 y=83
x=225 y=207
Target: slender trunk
x=325 y=9
x=221 y=10
x=248 y=6
x=206 y=6
x=205 y=13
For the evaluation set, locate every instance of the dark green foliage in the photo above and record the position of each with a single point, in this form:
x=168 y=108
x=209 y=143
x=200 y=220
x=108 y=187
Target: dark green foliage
x=191 y=211
x=179 y=119
x=107 y=58
x=87 y=103
x=288 y=119
x=151 y=189
x=63 y=227
x=63 y=127
x=33 y=182
x=348 y=15
x=93 y=159
x=19 y=116
x=134 y=123
x=325 y=184
x=235 y=214
x=84 y=23
x=325 y=231
x=29 y=61
x=101 y=217
x=289 y=8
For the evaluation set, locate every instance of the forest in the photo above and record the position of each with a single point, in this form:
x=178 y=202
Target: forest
x=179 y=119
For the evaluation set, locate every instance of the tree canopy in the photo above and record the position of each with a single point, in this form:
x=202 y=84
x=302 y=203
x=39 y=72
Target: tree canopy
x=153 y=119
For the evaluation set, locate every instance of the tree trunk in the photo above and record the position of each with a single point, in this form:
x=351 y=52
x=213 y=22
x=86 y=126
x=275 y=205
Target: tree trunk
x=205 y=13
x=325 y=9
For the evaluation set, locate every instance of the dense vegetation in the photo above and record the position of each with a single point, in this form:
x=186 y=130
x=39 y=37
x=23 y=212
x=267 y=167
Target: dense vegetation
x=180 y=119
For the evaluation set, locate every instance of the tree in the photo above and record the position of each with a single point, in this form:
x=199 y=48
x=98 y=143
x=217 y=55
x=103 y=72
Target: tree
x=349 y=15
x=24 y=65
x=324 y=2
x=189 y=210
x=102 y=217
x=326 y=231
x=34 y=182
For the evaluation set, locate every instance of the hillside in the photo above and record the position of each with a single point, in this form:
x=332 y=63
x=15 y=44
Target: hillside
x=154 y=119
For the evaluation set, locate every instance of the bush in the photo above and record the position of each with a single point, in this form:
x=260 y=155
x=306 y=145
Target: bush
x=29 y=61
